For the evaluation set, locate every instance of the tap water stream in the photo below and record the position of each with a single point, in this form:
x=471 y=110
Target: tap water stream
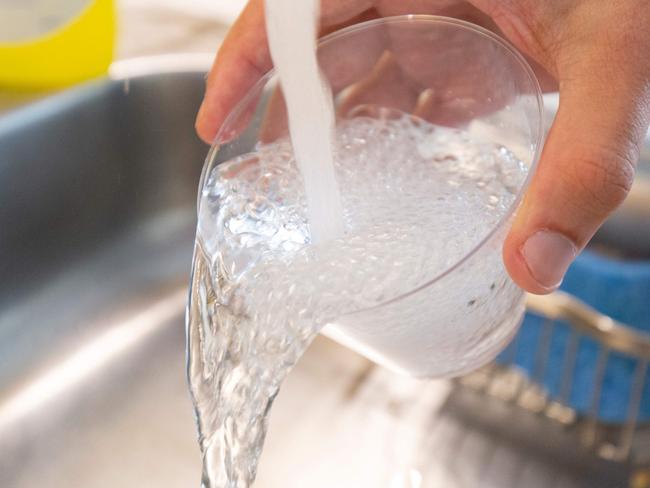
x=292 y=31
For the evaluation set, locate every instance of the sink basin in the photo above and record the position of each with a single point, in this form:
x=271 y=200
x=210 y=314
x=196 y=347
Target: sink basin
x=98 y=188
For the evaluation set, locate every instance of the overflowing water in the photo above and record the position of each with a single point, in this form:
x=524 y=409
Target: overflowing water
x=415 y=199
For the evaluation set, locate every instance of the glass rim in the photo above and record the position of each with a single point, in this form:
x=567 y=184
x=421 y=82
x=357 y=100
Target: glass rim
x=421 y=19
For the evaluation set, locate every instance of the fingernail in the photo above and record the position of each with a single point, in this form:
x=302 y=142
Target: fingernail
x=548 y=255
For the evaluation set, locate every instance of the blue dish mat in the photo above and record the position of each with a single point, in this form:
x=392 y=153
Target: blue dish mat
x=620 y=289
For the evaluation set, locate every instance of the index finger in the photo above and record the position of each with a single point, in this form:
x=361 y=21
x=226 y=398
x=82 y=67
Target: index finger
x=244 y=58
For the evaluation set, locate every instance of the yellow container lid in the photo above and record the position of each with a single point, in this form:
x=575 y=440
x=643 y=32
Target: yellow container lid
x=54 y=43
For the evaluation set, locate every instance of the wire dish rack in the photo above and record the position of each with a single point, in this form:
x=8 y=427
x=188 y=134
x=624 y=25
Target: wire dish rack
x=625 y=440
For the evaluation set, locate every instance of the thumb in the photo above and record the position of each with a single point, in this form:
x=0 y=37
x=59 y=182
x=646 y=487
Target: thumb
x=585 y=172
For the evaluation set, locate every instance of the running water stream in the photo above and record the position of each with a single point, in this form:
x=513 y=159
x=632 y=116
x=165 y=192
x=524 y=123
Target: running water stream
x=292 y=31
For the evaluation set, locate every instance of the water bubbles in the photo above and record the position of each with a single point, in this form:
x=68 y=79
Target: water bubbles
x=416 y=199
x=259 y=207
x=358 y=141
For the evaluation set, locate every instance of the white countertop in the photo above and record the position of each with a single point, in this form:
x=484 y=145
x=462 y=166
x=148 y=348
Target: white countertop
x=151 y=27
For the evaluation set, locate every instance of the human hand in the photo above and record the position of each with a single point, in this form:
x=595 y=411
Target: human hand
x=597 y=52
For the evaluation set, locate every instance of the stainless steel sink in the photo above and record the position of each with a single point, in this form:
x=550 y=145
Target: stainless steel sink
x=97 y=217
x=98 y=190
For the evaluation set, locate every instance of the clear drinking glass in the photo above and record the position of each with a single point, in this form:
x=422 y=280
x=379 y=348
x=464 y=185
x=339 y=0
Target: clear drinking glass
x=454 y=74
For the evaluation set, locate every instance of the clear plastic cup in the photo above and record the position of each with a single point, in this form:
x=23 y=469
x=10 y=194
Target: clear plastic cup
x=454 y=74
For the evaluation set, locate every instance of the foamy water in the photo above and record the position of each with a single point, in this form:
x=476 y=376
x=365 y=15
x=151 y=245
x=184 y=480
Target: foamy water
x=415 y=199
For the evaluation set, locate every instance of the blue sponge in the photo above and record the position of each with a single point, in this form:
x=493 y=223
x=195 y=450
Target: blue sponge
x=619 y=289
